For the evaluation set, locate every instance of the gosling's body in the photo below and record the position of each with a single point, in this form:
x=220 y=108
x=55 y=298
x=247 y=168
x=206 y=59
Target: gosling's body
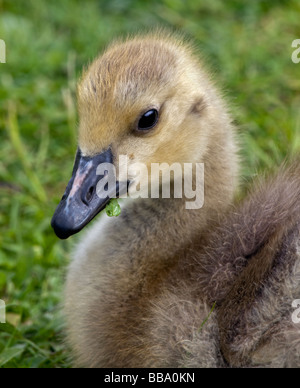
x=150 y=313
x=140 y=286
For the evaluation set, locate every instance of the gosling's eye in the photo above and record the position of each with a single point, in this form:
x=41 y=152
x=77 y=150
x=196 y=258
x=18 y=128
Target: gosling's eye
x=148 y=120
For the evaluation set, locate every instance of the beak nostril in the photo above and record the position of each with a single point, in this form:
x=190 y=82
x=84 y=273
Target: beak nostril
x=90 y=194
x=87 y=198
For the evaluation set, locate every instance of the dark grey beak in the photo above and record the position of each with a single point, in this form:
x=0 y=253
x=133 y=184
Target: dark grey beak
x=82 y=200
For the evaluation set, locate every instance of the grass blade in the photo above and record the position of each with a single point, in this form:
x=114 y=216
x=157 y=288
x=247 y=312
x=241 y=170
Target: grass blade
x=14 y=133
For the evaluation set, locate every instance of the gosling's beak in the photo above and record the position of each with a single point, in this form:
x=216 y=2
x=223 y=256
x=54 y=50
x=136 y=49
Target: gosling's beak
x=83 y=199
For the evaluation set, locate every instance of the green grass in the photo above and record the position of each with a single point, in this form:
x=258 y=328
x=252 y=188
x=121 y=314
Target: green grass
x=247 y=44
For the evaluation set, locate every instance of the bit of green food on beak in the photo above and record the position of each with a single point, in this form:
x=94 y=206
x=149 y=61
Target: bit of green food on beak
x=113 y=209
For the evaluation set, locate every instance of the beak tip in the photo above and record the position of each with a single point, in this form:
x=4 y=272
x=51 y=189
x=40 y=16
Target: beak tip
x=60 y=228
x=61 y=233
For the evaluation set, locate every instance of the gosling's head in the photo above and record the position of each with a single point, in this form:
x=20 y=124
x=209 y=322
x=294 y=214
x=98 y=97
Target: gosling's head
x=147 y=98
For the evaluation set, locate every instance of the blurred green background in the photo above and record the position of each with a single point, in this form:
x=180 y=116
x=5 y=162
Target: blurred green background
x=246 y=43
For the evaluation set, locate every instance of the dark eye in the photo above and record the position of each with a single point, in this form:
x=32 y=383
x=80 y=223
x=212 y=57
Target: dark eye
x=148 y=120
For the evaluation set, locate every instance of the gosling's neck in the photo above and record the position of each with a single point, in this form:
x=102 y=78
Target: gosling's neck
x=161 y=228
